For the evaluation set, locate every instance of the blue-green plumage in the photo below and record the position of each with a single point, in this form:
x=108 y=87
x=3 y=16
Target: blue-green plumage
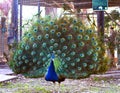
x=72 y=47
x=51 y=74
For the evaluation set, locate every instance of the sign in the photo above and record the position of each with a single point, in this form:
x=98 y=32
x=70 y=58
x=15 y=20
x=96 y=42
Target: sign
x=100 y=5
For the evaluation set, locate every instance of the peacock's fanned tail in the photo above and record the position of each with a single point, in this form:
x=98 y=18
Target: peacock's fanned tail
x=78 y=52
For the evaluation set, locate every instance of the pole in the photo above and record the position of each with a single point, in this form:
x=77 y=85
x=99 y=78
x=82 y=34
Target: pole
x=21 y=19
x=38 y=9
x=100 y=24
x=15 y=19
x=3 y=30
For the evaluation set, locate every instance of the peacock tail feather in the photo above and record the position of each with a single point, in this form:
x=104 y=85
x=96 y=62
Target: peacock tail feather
x=78 y=51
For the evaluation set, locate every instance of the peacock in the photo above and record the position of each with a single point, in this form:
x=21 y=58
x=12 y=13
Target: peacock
x=51 y=74
x=75 y=48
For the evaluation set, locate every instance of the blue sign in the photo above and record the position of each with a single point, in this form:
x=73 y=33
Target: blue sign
x=100 y=5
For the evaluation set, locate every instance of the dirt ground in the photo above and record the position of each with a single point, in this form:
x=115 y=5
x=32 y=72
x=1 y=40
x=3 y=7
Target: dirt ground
x=39 y=85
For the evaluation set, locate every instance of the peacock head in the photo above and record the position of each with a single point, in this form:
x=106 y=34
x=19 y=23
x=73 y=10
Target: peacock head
x=52 y=56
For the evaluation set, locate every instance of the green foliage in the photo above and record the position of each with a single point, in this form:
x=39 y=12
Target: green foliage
x=26 y=89
x=112 y=22
x=18 y=87
x=113 y=14
x=78 y=50
x=105 y=64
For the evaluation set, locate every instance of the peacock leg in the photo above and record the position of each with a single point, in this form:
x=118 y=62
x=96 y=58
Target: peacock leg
x=59 y=88
x=54 y=90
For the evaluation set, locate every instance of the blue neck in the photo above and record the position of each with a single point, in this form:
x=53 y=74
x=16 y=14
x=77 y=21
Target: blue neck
x=51 y=75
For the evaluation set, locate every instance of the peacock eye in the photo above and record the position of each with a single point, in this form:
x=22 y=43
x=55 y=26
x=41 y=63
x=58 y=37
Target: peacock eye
x=34 y=60
x=79 y=37
x=15 y=58
x=20 y=51
x=81 y=31
x=72 y=64
x=22 y=45
x=98 y=48
x=46 y=36
x=81 y=44
x=42 y=22
x=51 y=48
x=82 y=55
x=62 y=40
x=55 y=45
x=64 y=29
x=84 y=64
x=58 y=51
x=44 y=59
x=52 y=31
x=26 y=61
x=24 y=57
x=73 y=71
x=72 y=53
x=63 y=24
x=75 y=28
x=52 y=41
x=63 y=54
x=41 y=54
x=20 y=62
x=95 y=43
x=34 y=45
x=39 y=37
x=65 y=65
x=29 y=34
x=86 y=37
x=77 y=59
x=89 y=52
x=68 y=58
x=95 y=58
x=93 y=38
x=84 y=74
x=64 y=47
x=89 y=31
x=58 y=34
x=38 y=21
x=32 y=38
x=56 y=26
x=19 y=58
x=46 y=28
x=48 y=55
x=33 y=53
x=27 y=47
x=74 y=21
x=35 y=30
x=95 y=54
x=38 y=63
x=69 y=37
x=51 y=23
x=79 y=68
x=91 y=66
x=73 y=46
